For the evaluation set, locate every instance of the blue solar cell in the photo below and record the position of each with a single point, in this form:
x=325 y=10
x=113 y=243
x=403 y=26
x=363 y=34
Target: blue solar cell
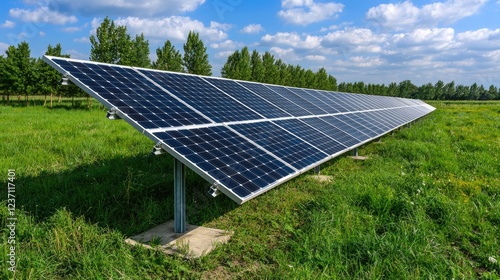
x=359 y=123
x=246 y=136
x=235 y=162
x=332 y=131
x=276 y=99
x=120 y=87
x=249 y=98
x=348 y=127
x=312 y=135
x=297 y=99
x=317 y=99
x=202 y=96
x=284 y=145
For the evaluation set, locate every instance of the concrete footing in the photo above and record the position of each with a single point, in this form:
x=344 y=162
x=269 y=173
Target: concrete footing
x=322 y=178
x=359 y=158
x=194 y=243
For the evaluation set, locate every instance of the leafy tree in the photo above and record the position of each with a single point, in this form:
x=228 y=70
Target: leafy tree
x=168 y=58
x=111 y=44
x=271 y=74
x=18 y=71
x=195 y=56
x=257 y=67
x=322 y=81
x=493 y=93
x=50 y=78
x=139 y=54
x=407 y=89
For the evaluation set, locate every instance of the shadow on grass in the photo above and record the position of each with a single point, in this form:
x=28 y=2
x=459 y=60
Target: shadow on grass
x=130 y=194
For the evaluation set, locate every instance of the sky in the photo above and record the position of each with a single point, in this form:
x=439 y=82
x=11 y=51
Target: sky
x=371 y=41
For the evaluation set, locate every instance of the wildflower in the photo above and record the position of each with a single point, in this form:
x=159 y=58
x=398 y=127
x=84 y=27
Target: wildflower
x=492 y=260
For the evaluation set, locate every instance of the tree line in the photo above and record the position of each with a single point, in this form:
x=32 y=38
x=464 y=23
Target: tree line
x=20 y=74
x=266 y=69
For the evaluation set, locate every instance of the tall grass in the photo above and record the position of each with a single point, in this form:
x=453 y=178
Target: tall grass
x=425 y=205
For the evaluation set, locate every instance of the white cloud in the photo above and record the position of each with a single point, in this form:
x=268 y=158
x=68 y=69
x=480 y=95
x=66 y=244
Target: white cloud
x=292 y=39
x=41 y=33
x=126 y=7
x=305 y=12
x=42 y=15
x=406 y=16
x=287 y=55
x=223 y=54
x=8 y=24
x=71 y=29
x=315 y=57
x=82 y=40
x=435 y=38
x=227 y=45
x=172 y=28
x=252 y=29
x=354 y=40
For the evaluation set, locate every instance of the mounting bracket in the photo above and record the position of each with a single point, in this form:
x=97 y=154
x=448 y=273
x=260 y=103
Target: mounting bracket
x=158 y=150
x=112 y=115
x=214 y=190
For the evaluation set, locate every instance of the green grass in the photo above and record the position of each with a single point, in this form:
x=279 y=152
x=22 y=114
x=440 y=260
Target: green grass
x=425 y=205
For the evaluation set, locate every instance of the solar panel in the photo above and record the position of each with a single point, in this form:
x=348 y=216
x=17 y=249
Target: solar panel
x=243 y=137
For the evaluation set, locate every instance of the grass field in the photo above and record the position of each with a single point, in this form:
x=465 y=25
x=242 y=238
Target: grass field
x=425 y=205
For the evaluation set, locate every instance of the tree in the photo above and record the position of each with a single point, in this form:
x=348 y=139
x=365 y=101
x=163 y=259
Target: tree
x=271 y=75
x=50 y=78
x=407 y=89
x=238 y=66
x=111 y=44
x=321 y=79
x=195 y=58
x=168 y=58
x=139 y=53
x=257 y=67
x=18 y=71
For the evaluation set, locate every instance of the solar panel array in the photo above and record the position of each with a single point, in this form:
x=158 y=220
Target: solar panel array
x=243 y=137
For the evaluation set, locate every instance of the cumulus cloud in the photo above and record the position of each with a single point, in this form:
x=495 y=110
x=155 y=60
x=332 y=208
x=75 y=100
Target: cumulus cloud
x=406 y=16
x=227 y=45
x=315 y=57
x=8 y=24
x=305 y=12
x=292 y=39
x=252 y=29
x=124 y=7
x=42 y=15
x=173 y=28
x=355 y=40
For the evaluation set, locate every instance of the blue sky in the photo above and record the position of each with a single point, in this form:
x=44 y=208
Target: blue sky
x=371 y=41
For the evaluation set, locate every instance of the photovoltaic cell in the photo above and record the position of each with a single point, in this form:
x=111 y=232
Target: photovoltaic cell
x=250 y=99
x=280 y=143
x=298 y=100
x=141 y=100
x=311 y=135
x=233 y=161
x=243 y=137
x=202 y=96
x=276 y=99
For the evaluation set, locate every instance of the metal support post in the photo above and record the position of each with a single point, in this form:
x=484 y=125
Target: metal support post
x=317 y=169
x=355 y=152
x=179 y=197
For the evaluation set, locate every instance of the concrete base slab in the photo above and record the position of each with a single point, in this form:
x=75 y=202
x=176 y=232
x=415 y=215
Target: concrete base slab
x=322 y=178
x=194 y=243
x=359 y=158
